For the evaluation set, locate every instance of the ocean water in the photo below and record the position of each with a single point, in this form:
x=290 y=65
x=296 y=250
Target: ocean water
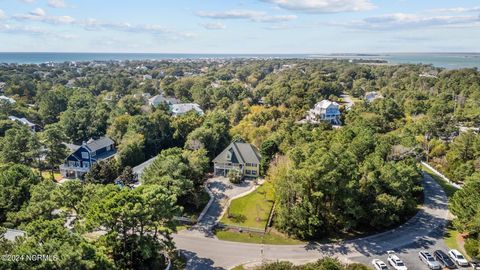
x=445 y=60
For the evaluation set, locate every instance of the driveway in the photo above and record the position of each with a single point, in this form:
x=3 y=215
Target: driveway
x=222 y=191
x=424 y=231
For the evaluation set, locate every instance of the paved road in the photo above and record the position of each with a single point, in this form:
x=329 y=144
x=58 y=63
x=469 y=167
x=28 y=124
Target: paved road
x=424 y=231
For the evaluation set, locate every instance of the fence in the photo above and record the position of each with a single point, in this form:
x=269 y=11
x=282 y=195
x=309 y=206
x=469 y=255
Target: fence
x=241 y=228
x=270 y=217
x=441 y=175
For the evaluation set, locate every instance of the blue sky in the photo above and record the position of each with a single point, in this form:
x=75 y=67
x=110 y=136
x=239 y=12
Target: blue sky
x=240 y=26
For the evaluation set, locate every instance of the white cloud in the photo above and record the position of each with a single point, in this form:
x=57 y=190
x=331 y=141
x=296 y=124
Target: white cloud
x=457 y=10
x=38 y=12
x=34 y=32
x=279 y=18
x=154 y=29
x=231 y=14
x=57 y=3
x=255 y=16
x=323 y=6
x=399 y=21
x=40 y=15
x=2 y=15
x=214 y=26
x=21 y=29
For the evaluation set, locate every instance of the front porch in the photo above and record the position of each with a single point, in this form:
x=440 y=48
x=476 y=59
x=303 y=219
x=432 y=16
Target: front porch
x=72 y=172
x=220 y=169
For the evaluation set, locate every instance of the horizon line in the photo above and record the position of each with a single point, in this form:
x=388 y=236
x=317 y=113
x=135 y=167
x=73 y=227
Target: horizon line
x=229 y=53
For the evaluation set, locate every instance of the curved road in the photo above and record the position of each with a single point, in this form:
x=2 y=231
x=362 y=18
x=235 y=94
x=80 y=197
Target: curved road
x=424 y=231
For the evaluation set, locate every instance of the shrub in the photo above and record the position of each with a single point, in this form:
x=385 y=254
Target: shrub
x=234 y=177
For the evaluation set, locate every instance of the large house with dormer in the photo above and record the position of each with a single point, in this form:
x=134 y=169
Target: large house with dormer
x=325 y=110
x=82 y=157
x=240 y=156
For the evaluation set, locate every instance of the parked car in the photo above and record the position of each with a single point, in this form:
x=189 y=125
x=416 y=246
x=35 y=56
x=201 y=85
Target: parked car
x=395 y=261
x=475 y=264
x=429 y=260
x=444 y=260
x=379 y=265
x=457 y=257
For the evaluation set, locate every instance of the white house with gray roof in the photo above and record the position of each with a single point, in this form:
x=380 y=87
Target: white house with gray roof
x=157 y=100
x=24 y=121
x=325 y=110
x=183 y=108
x=240 y=156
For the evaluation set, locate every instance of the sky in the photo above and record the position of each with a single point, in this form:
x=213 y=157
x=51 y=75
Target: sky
x=240 y=26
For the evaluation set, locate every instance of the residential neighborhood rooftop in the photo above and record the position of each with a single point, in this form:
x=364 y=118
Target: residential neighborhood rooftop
x=182 y=108
x=245 y=153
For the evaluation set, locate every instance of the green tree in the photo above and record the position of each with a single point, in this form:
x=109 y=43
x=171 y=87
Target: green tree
x=19 y=145
x=79 y=118
x=267 y=150
x=128 y=177
x=169 y=170
x=103 y=172
x=66 y=249
x=41 y=204
x=131 y=150
x=53 y=139
x=15 y=184
x=139 y=224
x=213 y=135
x=51 y=104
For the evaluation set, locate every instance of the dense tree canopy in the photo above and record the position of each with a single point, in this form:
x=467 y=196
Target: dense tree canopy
x=328 y=180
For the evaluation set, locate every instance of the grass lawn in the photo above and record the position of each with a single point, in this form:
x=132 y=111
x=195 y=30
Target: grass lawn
x=56 y=175
x=356 y=100
x=252 y=210
x=449 y=189
x=271 y=238
x=453 y=240
x=451 y=236
x=182 y=227
x=240 y=267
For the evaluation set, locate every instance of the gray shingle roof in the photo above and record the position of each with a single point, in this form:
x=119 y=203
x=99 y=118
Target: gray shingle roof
x=244 y=152
x=99 y=144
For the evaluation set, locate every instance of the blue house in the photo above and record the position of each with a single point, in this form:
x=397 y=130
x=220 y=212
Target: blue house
x=82 y=157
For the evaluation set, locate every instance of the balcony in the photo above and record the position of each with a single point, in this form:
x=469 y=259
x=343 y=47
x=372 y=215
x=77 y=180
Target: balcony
x=65 y=167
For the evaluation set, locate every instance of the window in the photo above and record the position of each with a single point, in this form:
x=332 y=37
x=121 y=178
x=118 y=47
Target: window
x=248 y=172
x=109 y=148
x=85 y=155
x=86 y=164
x=71 y=163
x=229 y=155
x=254 y=172
x=93 y=154
x=77 y=163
